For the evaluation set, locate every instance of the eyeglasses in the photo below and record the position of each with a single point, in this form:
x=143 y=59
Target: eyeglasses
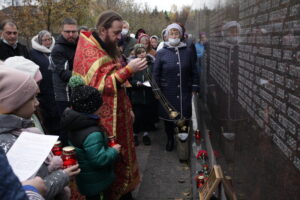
x=9 y=33
x=68 y=32
x=47 y=40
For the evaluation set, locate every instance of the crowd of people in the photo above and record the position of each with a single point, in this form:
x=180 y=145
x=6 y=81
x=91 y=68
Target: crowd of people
x=89 y=85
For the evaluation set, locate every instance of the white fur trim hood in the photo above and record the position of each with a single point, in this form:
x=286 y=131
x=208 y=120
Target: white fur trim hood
x=35 y=45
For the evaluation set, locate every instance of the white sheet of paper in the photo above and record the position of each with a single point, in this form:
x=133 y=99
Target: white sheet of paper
x=147 y=84
x=29 y=152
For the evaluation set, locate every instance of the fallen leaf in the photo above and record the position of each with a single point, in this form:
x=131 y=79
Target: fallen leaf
x=186 y=193
x=181 y=180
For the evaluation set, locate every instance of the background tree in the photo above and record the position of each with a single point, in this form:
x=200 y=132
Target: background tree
x=36 y=15
x=54 y=11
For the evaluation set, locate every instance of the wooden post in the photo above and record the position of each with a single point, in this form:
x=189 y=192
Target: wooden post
x=214 y=180
x=227 y=182
x=212 y=183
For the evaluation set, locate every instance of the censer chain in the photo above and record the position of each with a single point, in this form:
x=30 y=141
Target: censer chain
x=161 y=97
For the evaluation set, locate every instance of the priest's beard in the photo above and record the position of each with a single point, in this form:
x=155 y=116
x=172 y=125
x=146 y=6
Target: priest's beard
x=111 y=48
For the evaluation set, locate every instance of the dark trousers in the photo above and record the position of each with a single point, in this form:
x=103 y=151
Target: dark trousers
x=127 y=196
x=144 y=117
x=169 y=129
x=51 y=123
x=63 y=136
x=96 y=197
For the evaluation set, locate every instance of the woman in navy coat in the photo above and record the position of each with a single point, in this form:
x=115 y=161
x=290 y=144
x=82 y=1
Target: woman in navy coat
x=176 y=75
x=42 y=45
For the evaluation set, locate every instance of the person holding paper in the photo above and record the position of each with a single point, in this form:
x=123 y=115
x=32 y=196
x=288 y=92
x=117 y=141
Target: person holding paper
x=95 y=157
x=142 y=98
x=12 y=189
x=17 y=104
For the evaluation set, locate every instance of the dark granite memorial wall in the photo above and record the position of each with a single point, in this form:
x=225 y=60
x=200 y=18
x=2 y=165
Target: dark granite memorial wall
x=252 y=81
x=261 y=72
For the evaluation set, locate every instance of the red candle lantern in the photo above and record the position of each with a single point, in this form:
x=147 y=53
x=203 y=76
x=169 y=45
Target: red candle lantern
x=111 y=141
x=57 y=148
x=200 y=181
x=197 y=134
x=69 y=157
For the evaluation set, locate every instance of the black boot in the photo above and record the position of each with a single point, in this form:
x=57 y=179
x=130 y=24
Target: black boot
x=136 y=140
x=170 y=144
x=146 y=140
x=169 y=129
x=127 y=196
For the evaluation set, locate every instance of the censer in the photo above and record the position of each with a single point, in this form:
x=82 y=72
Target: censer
x=180 y=121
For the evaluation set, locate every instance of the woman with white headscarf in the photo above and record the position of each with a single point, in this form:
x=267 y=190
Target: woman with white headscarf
x=231 y=32
x=42 y=45
x=176 y=75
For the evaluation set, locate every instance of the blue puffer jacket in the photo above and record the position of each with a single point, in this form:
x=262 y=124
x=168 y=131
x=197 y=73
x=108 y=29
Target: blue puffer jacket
x=10 y=186
x=176 y=75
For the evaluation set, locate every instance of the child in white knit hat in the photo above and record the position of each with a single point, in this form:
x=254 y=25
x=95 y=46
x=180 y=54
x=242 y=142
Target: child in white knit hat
x=25 y=65
x=22 y=64
x=17 y=104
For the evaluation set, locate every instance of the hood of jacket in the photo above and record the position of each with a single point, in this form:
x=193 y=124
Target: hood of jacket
x=61 y=40
x=180 y=45
x=10 y=123
x=74 y=121
x=35 y=45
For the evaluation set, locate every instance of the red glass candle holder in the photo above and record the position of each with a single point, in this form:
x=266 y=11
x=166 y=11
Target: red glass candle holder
x=111 y=141
x=69 y=157
x=57 y=148
x=200 y=181
x=197 y=134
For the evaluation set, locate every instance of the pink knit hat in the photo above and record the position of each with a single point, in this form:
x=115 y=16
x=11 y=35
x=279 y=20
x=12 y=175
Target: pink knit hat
x=142 y=35
x=16 y=88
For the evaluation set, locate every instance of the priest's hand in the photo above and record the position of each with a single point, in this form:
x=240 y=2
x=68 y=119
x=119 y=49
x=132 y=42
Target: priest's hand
x=138 y=64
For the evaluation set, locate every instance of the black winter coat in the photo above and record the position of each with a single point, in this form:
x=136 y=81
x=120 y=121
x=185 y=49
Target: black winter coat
x=7 y=51
x=46 y=95
x=62 y=56
x=141 y=94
